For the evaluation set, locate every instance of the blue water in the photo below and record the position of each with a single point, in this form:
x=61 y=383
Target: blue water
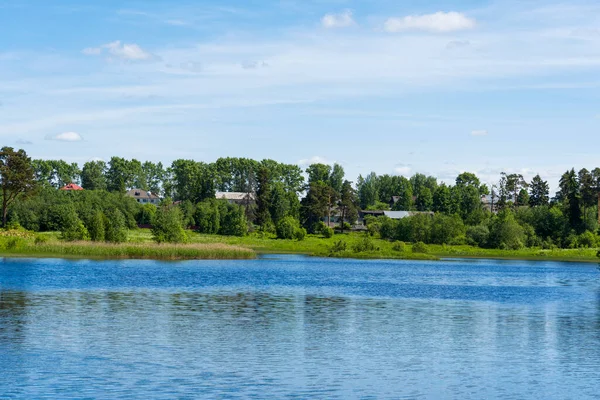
x=297 y=327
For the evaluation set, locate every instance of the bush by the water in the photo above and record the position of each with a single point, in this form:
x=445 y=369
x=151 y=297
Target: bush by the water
x=399 y=246
x=167 y=226
x=289 y=228
x=420 y=247
x=364 y=244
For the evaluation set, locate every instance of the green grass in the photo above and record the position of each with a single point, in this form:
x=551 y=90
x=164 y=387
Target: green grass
x=585 y=255
x=27 y=247
x=200 y=246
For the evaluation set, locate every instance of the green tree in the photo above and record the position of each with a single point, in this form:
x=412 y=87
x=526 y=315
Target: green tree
x=96 y=226
x=263 y=199
x=119 y=176
x=208 y=216
x=348 y=205
x=505 y=232
x=168 y=226
x=93 y=175
x=538 y=192
x=441 y=199
x=233 y=220
x=424 y=200
x=116 y=226
x=569 y=189
x=367 y=189
x=16 y=177
x=404 y=192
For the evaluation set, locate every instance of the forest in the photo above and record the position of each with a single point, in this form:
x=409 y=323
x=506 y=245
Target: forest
x=291 y=203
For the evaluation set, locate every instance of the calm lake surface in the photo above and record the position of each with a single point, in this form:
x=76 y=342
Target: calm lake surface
x=298 y=327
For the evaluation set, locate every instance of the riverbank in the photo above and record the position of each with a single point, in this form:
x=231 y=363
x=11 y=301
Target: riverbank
x=214 y=247
x=317 y=245
x=193 y=251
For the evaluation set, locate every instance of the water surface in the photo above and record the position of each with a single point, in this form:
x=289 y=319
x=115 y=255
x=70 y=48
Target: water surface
x=298 y=327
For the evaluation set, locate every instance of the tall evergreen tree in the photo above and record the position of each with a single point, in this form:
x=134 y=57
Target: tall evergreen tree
x=569 y=187
x=263 y=199
x=539 y=192
x=16 y=177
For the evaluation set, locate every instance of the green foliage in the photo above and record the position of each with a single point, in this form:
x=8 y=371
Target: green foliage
x=40 y=239
x=115 y=227
x=299 y=234
x=208 y=217
x=146 y=214
x=287 y=227
x=327 y=232
x=167 y=226
x=73 y=228
x=16 y=178
x=420 y=247
x=588 y=240
x=506 y=233
x=478 y=235
x=233 y=221
x=445 y=229
x=364 y=245
x=338 y=247
x=399 y=246
x=97 y=226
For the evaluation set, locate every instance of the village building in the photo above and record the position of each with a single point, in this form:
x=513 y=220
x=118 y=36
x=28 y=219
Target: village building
x=143 y=196
x=71 y=187
x=239 y=198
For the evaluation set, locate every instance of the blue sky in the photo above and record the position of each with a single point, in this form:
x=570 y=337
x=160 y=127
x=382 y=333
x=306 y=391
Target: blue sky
x=437 y=87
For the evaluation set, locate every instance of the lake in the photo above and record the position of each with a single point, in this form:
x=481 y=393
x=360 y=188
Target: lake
x=299 y=327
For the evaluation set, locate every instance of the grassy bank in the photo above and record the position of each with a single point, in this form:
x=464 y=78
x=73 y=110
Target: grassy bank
x=53 y=248
x=202 y=246
x=319 y=246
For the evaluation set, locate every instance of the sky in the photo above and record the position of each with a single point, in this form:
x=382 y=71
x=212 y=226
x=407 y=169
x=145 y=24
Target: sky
x=396 y=87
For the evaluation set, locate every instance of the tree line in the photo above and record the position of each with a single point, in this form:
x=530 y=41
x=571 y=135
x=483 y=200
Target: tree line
x=291 y=202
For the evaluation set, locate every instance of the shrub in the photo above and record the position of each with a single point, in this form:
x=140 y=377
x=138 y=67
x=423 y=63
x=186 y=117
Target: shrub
x=14 y=243
x=168 y=226
x=399 y=246
x=338 y=247
x=286 y=227
x=73 y=229
x=40 y=239
x=299 y=233
x=365 y=244
x=97 y=226
x=327 y=232
x=587 y=239
x=420 y=247
x=115 y=227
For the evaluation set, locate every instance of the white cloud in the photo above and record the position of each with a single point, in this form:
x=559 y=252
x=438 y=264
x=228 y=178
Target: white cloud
x=314 y=160
x=341 y=20
x=479 y=132
x=65 y=137
x=437 y=22
x=122 y=51
x=403 y=169
x=23 y=141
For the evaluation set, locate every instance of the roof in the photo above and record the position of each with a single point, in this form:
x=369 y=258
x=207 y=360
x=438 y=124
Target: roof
x=141 y=194
x=404 y=214
x=71 y=186
x=396 y=214
x=234 y=196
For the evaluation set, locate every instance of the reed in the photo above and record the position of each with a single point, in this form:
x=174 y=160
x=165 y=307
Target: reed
x=195 y=251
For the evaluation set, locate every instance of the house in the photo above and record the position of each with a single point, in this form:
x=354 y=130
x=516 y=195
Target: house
x=143 y=197
x=239 y=198
x=71 y=186
x=390 y=214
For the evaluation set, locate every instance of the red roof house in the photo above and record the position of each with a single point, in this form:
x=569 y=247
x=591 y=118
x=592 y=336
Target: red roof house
x=71 y=186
